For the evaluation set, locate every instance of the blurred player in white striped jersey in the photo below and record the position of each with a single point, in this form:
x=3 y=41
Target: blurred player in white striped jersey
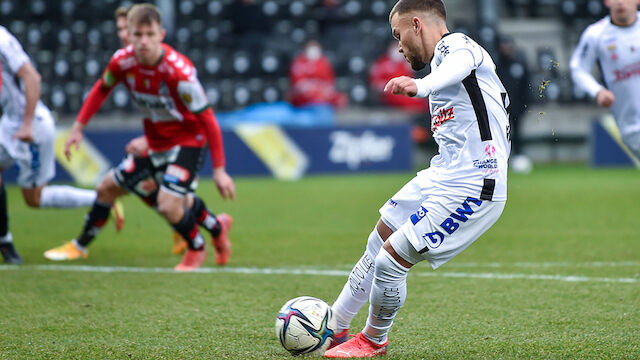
x=446 y=207
x=27 y=135
x=613 y=44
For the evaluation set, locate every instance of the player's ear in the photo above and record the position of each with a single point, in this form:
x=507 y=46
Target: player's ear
x=163 y=32
x=417 y=24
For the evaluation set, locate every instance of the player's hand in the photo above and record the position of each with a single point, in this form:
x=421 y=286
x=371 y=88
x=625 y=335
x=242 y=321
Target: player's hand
x=74 y=139
x=605 y=98
x=137 y=146
x=402 y=85
x=24 y=133
x=224 y=183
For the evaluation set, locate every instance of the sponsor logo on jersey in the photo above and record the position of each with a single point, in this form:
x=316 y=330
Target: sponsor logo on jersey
x=440 y=116
x=353 y=149
x=128 y=164
x=415 y=218
x=627 y=72
x=108 y=78
x=451 y=224
x=147 y=83
x=157 y=108
x=176 y=174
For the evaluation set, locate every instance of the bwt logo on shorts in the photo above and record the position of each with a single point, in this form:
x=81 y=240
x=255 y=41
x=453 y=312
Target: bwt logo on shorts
x=393 y=203
x=450 y=224
x=176 y=174
x=415 y=218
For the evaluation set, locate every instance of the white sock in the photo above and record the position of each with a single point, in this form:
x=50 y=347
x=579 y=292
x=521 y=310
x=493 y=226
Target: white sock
x=64 y=196
x=6 y=239
x=356 y=291
x=388 y=294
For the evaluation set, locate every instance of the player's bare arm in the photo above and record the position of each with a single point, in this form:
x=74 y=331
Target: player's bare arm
x=32 y=82
x=74 y=139
x=137 y=146
x=224 y=183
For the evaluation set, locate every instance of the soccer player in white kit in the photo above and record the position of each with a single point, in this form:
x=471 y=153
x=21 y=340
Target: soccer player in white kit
x=446 y=207
x=613 y=44
x=27 y=135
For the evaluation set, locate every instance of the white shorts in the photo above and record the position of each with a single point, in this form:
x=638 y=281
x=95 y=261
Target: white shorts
x=36 y=161
x=435 y=227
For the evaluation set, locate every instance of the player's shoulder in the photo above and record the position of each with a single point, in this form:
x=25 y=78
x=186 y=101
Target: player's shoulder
x=454 y=40
x=177 y=65
x=6 y=37
x=123 y=58
x=598 y=28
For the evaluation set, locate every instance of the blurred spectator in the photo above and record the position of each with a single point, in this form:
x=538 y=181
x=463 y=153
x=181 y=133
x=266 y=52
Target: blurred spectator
x=312 y=79
x=514 y=73
x=388 y=66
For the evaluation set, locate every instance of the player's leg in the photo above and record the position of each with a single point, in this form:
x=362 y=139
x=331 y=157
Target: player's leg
x=437 y=232
x=58 y=196
x=217 y=226
x=107 y=193
x=356 y=290
x=182 y=165
x=182 y=219
x=9 y=253
x=37 y=167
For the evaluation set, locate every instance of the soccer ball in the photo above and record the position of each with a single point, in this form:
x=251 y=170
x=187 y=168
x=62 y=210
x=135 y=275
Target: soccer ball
x=305 y=325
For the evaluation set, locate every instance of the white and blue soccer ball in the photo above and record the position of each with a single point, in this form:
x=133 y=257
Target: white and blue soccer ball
x=305 y=325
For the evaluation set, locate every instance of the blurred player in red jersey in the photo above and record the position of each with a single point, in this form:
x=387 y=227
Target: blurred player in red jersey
x=178 y=123
x=313 y=80
x=139 y=146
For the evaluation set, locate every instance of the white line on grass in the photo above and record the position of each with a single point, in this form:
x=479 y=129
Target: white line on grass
x=316 y=272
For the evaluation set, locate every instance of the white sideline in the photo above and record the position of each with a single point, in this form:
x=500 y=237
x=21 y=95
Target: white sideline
x=309 y=271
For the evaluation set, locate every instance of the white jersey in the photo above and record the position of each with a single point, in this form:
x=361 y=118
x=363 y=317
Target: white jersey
x=12 y=97
x=616 y=50
x=469 y=120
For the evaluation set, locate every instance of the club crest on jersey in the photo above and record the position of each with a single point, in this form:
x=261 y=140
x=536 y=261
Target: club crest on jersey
x=131 y=80
x=444 y=49
x=186 y=98
x=175 y=174
x=415 y=218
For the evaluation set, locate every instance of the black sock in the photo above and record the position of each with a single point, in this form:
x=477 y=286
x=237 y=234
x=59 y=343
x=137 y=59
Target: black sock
x=94 y=221
x=4 y=215
x=204 y=217
x=188 y=228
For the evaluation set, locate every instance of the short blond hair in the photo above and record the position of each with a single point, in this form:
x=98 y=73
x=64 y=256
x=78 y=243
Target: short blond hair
x=121 y=12
x=143 y=14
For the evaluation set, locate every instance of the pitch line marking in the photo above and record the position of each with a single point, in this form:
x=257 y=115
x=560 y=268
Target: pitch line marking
x=315 y=272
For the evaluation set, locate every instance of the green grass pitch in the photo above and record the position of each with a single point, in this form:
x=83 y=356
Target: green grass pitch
x=558 y=277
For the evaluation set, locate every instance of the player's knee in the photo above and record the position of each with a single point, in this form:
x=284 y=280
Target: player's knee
x=32 y=201
x=170 y=210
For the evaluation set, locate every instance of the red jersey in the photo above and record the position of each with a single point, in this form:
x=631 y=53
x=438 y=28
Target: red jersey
x=385 y=69
x=174 y=106
x=313 y=81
